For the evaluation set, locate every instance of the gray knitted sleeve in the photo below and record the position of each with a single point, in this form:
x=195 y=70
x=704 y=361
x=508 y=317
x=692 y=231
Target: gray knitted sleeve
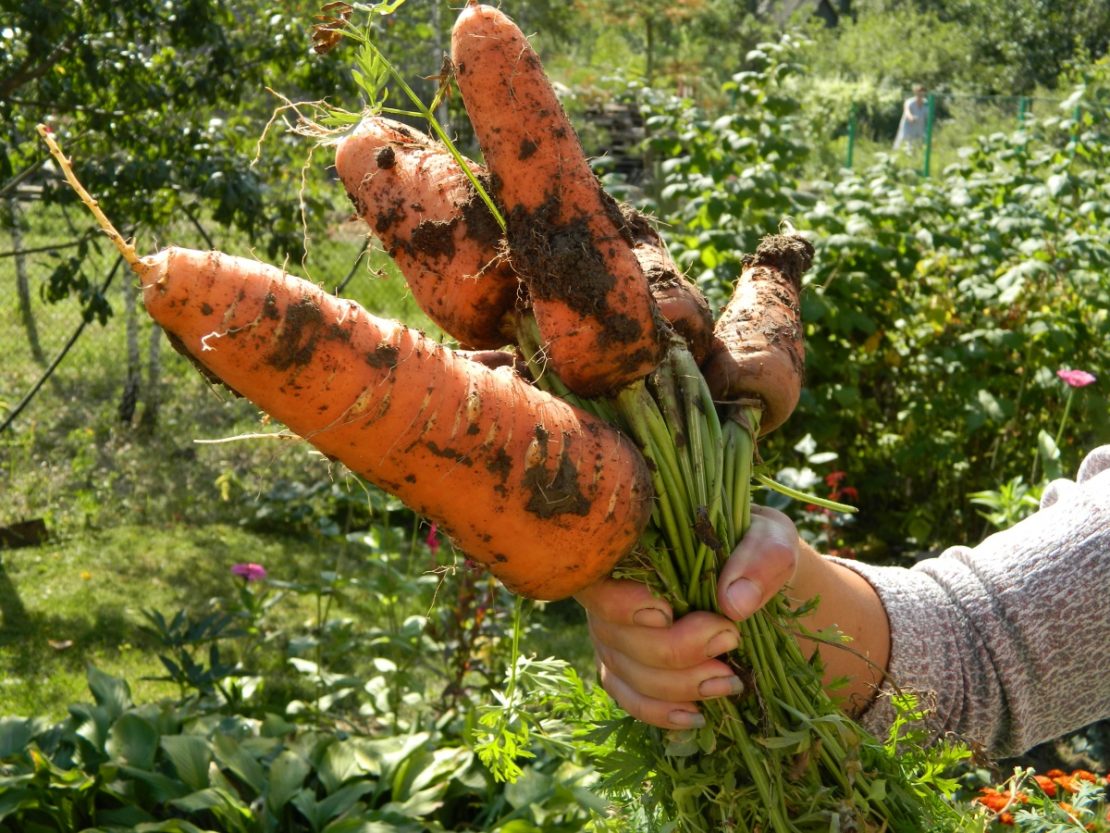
x=1009 y=641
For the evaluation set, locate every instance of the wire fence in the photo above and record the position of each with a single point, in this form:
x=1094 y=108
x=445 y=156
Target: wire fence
x=944 y=124
x=52 y=345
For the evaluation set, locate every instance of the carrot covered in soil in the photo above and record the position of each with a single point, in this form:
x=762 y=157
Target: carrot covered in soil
x=758 y=349
x=418 y=201
x=679 y=301
x=567 y=239
x=546 y=496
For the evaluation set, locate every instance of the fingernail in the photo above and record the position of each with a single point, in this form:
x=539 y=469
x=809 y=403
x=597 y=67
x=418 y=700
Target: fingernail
x=651 y=617
x=744 y=597
x=686 y=720
x=722 y=643
x=721 y=687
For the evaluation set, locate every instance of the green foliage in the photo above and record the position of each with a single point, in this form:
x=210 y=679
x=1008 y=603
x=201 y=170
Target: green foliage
x=937 y=310
x=897 y=48
x=342 y=724
x=115 y=765
x=720 y=182
x=1008 y=504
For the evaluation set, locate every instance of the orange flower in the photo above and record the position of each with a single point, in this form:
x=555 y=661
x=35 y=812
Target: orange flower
x=1068 y=783
x=1006 y=818
x=1055 y=773
x=997 y=801
x=1084 y=775
x=1046 y=784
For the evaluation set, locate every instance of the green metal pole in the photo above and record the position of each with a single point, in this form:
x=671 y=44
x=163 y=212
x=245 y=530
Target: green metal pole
x=1023 y=110
x=851 y=137
x=1076 y=115
x=929 y=113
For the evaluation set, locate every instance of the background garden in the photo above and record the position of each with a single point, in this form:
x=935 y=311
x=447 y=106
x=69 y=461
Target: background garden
x=155 y=686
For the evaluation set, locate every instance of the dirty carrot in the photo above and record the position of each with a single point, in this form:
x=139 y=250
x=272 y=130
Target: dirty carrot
x=417 y=200
x=567 y=238
x=758 y=349
x=679 y=301
x=546 y=496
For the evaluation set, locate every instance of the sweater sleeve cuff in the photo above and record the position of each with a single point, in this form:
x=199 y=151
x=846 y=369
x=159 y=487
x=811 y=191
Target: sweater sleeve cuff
x=919 y=612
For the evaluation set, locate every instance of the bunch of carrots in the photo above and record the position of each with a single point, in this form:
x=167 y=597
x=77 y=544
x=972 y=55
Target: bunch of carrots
x=595 y=417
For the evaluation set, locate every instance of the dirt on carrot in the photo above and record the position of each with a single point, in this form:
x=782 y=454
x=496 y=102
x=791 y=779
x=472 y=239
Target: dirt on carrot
x=567 y=238
x=429 y=217
x=758 y=348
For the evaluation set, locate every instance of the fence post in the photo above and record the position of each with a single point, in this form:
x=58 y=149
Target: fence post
x=1076 y=115
x=930 y=110
x=1023 y=110
x=851 y=137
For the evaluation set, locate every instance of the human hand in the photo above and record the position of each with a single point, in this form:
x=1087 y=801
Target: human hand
x=657 y=668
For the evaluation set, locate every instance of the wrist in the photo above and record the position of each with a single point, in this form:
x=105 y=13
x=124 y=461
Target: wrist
x=848 y=602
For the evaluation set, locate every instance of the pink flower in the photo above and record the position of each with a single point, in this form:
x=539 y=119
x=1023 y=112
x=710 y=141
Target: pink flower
x=249 y=571
x=1076 y=378
x=433 y=539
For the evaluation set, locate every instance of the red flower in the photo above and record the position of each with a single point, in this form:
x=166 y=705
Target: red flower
x=833 y=478
x=433 y=539
x=1076 y=378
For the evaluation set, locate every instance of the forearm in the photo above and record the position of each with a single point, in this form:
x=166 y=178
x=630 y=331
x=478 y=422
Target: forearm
x=850 y=604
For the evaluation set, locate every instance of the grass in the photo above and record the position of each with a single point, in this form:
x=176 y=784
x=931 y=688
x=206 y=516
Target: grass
x=80 y=600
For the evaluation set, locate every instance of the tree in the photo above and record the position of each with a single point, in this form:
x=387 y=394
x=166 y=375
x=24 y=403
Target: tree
x=1019 y=45
x=161 y=104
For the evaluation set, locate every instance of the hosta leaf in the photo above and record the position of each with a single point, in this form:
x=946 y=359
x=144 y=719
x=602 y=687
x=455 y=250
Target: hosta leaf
x=209 y=799
x=342 y=801
x=287 y=774
x=12 y=801
x=230 y=754
x=162 y=788
x=171 y=826
x=111 y=693
x=15 y=734
x=190 y=756
x=132 y=740
x=338 y=765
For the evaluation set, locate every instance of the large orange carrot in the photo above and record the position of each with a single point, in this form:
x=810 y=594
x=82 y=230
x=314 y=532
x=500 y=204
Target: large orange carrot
x=420 y=204
x=758 y=348
x=547 y=496
x=567 y=238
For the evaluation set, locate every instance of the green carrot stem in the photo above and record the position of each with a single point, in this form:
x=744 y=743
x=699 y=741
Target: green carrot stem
x=663 y=440
x=755 y=765
x=674 y=422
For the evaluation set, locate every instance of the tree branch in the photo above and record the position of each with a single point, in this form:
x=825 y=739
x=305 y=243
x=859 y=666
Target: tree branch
x=27 y=72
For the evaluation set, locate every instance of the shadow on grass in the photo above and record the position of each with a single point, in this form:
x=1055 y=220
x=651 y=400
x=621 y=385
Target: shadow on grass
x=50 y=643
x=12 y=612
